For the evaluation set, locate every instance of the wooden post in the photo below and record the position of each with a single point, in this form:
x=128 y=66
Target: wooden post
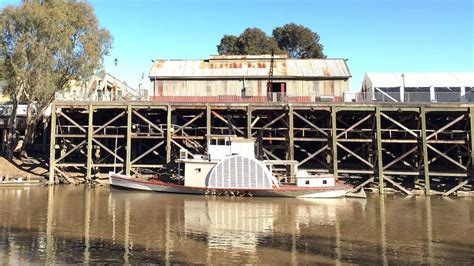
x=426 y=168
x=291 y=140
x=128 y=154
x=52 y=144
x=249 y=121
x=208 y=120
x=379 y=149
x=168 y=134
x=471 y=166
x=90 y=132
x=334 y=140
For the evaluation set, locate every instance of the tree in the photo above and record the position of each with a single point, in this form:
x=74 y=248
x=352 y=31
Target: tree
x=46 y=45
x=255 y=41
x=252 y=41
x=228 y=45
x=299 y=41
x=296 y=40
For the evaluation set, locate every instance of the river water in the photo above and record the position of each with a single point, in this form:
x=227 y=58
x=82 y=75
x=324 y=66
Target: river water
x=78 y=224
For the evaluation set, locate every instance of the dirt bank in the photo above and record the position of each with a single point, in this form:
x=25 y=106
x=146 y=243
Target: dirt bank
x=35 y=167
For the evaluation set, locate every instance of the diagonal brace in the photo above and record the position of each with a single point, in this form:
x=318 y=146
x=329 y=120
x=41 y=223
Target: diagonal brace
x=446 y=126
x=310 y=123
x=110 y=122
x=73 y=122
x=355 y=155
x=148 y=151
x=148 y=122
x=447 y=157
x=355 y=125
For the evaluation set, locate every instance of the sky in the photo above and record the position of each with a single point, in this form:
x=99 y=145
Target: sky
x=374 y=35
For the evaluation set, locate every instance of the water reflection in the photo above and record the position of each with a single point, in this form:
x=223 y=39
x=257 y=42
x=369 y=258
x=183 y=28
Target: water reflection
x=98 y=225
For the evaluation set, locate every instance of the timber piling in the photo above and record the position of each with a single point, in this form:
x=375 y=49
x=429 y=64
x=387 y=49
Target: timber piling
x=406 y=146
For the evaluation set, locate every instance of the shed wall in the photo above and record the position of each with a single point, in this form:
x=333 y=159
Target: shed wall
x=255 y=87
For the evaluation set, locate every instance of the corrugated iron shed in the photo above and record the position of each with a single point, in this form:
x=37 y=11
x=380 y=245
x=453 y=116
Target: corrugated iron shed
x=256 y=67
x=421 y=80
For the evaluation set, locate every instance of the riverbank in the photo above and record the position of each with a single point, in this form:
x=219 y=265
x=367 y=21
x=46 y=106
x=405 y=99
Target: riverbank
x=34 y=168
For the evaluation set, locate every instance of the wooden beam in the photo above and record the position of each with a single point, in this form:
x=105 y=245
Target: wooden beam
x=400 y=157
x=355 y=155
x=446 y=126
x=271 y=154
x=334 y=140
x=249 y=121
x=128 y=148
x=208 y=120
x=181 y=147
x=110 y=122
x=397 y=185
x=108 y=150
x=399 y=124
x=52 y=149
x=291 y=139
x=168 y=133
x=188 y=123
x=355 y=125
x=312 y=155
x=75 y=147
x=227 y=122
x=447 y=157
x=148 y=151
x=456 y=188
x=471 y=135
x=272 y=122
x=378 y=125
x=310 y=123
x=363 y=184
x=147 y=121
x=470 y=168
x=90 y=132
x=72 y=121
x=426 y=167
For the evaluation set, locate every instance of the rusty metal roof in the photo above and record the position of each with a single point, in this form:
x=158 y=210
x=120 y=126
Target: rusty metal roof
x=250 y=66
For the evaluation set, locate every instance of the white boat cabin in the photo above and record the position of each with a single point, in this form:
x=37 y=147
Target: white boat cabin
x=305 y=179
x=220 y=147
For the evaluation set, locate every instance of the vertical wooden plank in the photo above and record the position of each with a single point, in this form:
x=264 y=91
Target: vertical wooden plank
x=90 y=132
x=426 y=168
x=52 y=144
x=128 y=154
x=168 y=134
x=334 y=140
x=471 y=167
x=208 y=120
x=291 y=140
x=378 y=123
x=249 y=121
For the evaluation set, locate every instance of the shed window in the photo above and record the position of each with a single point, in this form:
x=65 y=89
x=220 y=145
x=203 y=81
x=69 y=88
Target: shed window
x=306 y=182
x=325 y=182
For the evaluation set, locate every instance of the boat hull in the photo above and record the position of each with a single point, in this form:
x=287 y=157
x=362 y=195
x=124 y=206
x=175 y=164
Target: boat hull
x=123 y=181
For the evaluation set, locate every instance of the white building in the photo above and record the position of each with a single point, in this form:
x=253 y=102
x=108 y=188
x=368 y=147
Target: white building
x=418 y=87
x=99 y=87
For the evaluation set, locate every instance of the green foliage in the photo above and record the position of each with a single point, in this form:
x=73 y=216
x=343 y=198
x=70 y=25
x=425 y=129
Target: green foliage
x=295 y=40
x=228 y=45
x=299 y=41
x=255 y=41
x=46 y=44
x=252 y=41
